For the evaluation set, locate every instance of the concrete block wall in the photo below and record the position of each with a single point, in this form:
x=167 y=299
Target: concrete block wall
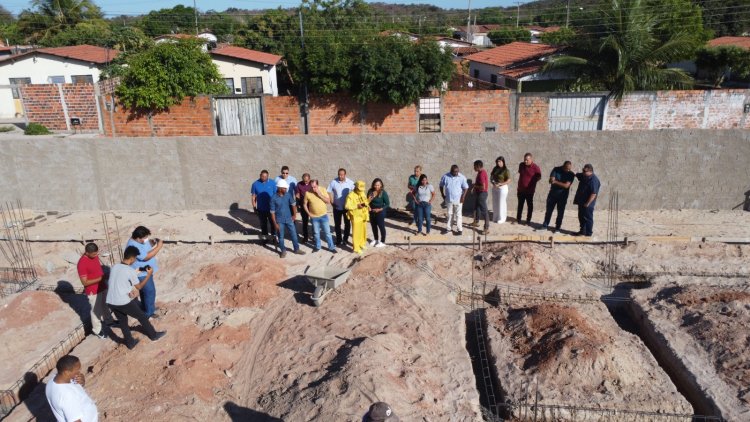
x=702 y=169
x=43 y=103
x=193 y=117
x=470 y=111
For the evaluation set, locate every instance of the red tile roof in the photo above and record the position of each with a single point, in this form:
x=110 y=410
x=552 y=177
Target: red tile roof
x=742 y=42
x=463 y=51
x=247 y=54
x=84 y=53
x=526 y=69
x=481 y=29
x=515 y=52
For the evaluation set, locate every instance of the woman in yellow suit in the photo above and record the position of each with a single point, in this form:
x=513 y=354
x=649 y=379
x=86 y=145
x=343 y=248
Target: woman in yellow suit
x=358 y=211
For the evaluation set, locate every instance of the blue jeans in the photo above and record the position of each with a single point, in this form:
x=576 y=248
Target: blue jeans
x=321 y=223
x=148 y=296
x=423 y=211
x=292 y=232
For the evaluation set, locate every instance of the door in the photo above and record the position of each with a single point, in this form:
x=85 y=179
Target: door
x=239 y=115
x=576 y=113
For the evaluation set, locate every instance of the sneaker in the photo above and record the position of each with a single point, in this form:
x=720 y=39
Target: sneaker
x=474 y=224
x=132 y=345
x=315 y=250
x=380 y=245
x=556 y=229
x=102 y=335
x=334 y=251
x=444 y=231
x=458 y=233
x=159 y=334
x=153 y=316
x=372 y=242
x=282 y=255
x=542 y=228
x=299 y=252
x=425 y=234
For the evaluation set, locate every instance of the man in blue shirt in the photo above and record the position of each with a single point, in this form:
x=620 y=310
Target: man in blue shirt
x=262 y=191
x=453 y=187
x=560 y=180
x=291 y=180
x=588 y=190
x=338 y=189
x=283 y=213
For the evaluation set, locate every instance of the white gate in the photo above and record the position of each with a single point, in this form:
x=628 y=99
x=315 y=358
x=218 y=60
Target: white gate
x=239 y=115
x=576 y=113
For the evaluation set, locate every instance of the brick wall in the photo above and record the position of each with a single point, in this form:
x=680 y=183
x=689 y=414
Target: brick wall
x=191 y=118
x=282 y=116
x=632 y=113
x=679 y=109
x=724 y=109
x=43 y=104
x=468 y=111
x=533 y=114
x=334 y=115
x=383 y=118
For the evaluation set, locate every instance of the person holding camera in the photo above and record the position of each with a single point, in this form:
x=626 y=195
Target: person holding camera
x=124 y=289
x=147 y=251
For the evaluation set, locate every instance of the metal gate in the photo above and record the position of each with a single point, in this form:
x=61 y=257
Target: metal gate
x=576 y=113
x=239 y=115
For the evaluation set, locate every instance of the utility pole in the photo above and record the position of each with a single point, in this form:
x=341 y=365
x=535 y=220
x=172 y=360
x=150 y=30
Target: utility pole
x=469 y=37
x=195 y=9
x=567 y=14
x=518 y=13
x=303 y=95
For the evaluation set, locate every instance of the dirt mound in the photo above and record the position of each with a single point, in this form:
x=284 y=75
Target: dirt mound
x=27 y=308
x=373 y=265
x=248 y=281
x=525 y=263
x=543 y=333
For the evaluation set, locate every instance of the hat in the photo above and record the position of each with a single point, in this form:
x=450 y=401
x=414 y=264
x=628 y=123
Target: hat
x=282 y=184
x=381 y=412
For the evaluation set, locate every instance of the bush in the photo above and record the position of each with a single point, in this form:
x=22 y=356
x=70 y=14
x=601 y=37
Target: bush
x=36 y=129
x=4 y=129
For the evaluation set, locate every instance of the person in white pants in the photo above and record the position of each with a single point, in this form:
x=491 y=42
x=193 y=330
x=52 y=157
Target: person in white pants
x=453 y=188
x=500 y=179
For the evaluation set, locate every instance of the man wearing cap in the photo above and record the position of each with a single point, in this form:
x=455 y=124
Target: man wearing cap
x=380 y=412
x=283 y=212
x=588 y=190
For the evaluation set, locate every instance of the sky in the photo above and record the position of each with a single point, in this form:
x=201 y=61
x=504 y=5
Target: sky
x=136 y=7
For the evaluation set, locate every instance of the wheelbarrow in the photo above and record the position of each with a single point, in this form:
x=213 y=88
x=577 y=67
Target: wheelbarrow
x=325 y=279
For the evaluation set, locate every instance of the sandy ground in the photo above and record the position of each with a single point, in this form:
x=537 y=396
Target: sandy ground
x=704 y=321
x=578 y=355
x=245 y=343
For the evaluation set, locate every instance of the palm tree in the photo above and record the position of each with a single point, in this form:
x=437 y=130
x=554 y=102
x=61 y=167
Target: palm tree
x=49 y=17
x=623 y=54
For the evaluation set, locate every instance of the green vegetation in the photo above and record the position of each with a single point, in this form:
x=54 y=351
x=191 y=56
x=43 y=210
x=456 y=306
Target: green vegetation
x=4 y=129
x=163 y=75
x=508 y=35
x=36 y=129
x=717 y=62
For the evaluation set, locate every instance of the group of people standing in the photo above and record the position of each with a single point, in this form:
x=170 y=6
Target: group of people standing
x=279 y=200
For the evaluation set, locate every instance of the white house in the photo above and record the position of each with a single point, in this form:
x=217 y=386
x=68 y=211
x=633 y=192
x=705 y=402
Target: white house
x=478 y=34
x=247 y=71
x=510 y=64
x=73 y=64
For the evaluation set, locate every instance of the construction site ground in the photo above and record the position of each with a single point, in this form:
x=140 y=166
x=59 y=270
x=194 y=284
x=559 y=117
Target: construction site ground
x=246 y=343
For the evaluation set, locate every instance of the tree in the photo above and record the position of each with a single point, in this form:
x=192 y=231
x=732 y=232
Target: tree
x=623 y=54
x=727 y=17
x=162 y=76
x=179 y=19
x=392 y=69
x=676 y=17
x=94 y=32
x=561 y=37
x=508 y=35
x=717 y=62
x=49 y=17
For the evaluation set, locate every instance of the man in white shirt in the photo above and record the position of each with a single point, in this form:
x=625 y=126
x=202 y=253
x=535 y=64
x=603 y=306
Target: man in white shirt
x=338 y=189
x=123 y=290
x=65 y=393
x=453 y=188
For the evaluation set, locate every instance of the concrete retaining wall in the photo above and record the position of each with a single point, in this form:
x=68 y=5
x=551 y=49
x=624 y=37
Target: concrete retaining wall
x=651 y=169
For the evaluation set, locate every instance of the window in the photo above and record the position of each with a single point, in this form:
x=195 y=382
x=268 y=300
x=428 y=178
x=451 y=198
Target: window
x=429 y=114
x=82 y=79
x=493 y=79
x=18 y=81
x=230 y=84
x=476 y=73
x=252 y=85
x=56 y=79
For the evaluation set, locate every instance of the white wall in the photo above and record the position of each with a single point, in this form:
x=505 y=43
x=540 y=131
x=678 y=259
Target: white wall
x=485 y=70
x=39 y=69
x=238 y=69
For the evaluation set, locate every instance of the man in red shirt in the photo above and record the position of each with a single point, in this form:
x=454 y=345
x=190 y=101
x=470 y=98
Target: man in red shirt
x=528 y=175
x=480 y=187
x=92 y=277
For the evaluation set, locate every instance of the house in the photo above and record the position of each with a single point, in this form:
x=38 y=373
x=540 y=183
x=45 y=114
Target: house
x=401 y=34
x=538 y=31
x=209 y=40
x=247 y=71
x=478 y=34
x=73 y=64
x=511 y=64
x=741 y=42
